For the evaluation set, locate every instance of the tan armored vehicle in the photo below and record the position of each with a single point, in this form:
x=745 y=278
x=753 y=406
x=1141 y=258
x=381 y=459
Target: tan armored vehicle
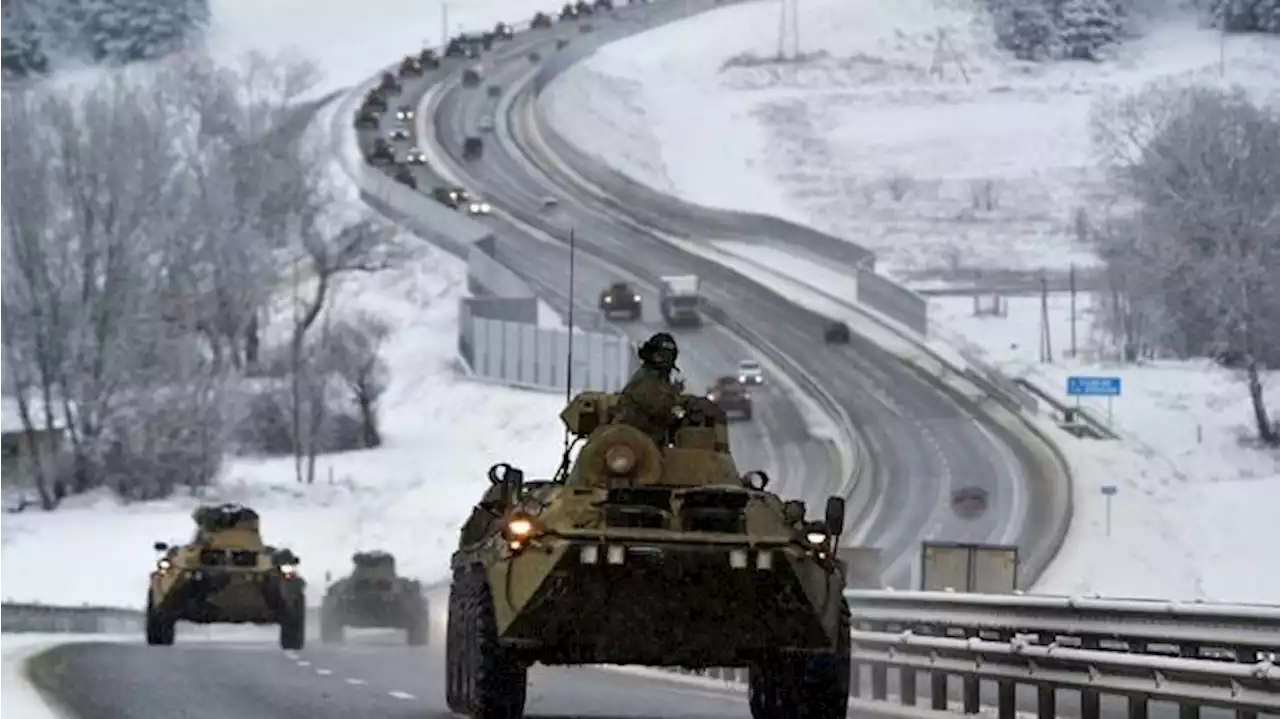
x=226 y=574
x=650 y=555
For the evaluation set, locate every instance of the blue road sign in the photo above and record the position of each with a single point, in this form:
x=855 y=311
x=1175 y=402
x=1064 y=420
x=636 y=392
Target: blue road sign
x=1093 y=386
x=1109 y=490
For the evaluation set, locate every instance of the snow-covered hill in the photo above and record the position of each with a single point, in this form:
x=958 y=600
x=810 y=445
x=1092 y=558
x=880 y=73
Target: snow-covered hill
x=442 y=432
x=903 y=128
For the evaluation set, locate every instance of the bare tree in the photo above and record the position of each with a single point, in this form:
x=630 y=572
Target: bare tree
x=355 y=350
x=1203 y=165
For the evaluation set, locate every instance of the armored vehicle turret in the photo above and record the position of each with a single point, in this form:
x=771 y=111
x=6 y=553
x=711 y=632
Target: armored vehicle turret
x=650 y=553
x=226 y=574
x=374 y=596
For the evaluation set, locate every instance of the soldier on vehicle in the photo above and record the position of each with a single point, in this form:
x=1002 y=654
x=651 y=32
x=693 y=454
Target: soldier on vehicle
x=651 y=396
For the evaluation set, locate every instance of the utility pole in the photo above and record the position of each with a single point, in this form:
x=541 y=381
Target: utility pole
x=1046 y=343
x=1072 y=277
x=444 y=26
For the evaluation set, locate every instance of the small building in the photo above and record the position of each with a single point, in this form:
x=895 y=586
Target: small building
x=20 y=444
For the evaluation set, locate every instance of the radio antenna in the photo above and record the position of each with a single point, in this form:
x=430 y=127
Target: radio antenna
x=568 y=385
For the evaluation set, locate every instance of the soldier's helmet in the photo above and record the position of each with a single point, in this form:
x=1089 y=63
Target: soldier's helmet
x=659 y=352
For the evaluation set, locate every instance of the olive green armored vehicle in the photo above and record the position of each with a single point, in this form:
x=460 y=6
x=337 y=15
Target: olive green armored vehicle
x=374 y=596
x=650 y=553
x=226 y=574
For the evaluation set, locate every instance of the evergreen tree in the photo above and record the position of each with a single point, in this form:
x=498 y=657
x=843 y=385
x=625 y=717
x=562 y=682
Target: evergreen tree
x=1087 y=26
x=1024 y=27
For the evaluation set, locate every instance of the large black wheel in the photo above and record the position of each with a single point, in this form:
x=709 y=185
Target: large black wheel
x=454 y=637
x=331 y=627
x=416 y=627
x=812 y=686
x=293 y=626
x=160 y=627
x=494 y=681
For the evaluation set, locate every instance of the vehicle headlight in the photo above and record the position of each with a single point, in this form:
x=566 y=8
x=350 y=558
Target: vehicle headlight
x=475 y=207
x=742 y=378
x=484 y=207
x=635 y=298
x=520 y=527
x=163 y=565
x=620 y=459
x=519 y=530
x=608 y=300
x=817 y=539
x=288 y=570
x=712 y=396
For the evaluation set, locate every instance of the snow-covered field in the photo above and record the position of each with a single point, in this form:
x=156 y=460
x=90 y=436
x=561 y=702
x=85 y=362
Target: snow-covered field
x=905 y=130
x=410 y=496
x=350 y=42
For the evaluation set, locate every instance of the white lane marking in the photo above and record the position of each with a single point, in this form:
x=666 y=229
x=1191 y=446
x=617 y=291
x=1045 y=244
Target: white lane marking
x=355 y=682
x=402 y=695
x=324 y=672
x=292 y=655
x=304 y=663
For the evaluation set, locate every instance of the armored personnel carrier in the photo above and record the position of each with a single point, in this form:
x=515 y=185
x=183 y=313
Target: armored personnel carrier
x=374 y=596
x=226 y=574
x=648 y=552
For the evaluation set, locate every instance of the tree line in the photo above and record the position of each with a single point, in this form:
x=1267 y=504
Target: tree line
x=38 y=34
x=170 y=260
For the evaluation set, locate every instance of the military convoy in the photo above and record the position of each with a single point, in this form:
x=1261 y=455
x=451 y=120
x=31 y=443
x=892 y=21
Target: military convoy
x=652 y=554
x=374 y=596
x=226 y=574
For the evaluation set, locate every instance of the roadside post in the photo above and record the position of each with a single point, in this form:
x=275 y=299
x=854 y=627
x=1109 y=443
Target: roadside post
x=1109 y=491
x=1108 y=387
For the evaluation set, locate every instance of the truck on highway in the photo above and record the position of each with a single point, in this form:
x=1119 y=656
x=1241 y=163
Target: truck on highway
x=681 y=301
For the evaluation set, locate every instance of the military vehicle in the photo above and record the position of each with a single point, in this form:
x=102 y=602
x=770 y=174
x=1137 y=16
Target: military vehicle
x=389 y=84
x=731 y=396
x=375 y=101
x=651 y=555
x=621 y=298
x=404 y=176
x=380 y=153
x=226 y=574
x=411 y=65
x=429 y=59
x=472 y=148
x=540 y=20
x=374 y=596
x=366 y=118
x=457 y=47
x=404 y=113
x=836 y=333
x=486 y=41
x=471 y=77
x=503 y=31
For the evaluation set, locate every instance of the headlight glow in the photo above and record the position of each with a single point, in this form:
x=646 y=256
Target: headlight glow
x=520 y=527
x=163 y=565
x=816 y=538
x=484 y=207
x=635 y=298
x=742 y=378
x=288 y=570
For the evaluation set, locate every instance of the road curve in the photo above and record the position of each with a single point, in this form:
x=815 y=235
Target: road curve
x=777 y=439
x=926 y=442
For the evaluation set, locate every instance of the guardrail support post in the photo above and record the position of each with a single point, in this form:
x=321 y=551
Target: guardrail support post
x=970 y=693
x=907 y=687
x=1188 y=711
x=1006 y=700
x=879 y=681
x=1138 y=707
x=1090 y=699
x=938 y=691
x=855 y=679
x=1046 y=702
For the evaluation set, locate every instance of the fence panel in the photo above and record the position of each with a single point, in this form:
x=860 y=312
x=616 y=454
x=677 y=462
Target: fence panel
x=525 y=355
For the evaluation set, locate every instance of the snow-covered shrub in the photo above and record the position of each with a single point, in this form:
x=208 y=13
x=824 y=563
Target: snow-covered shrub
x=1087 y=26
x=1245 y=15
x=267 y=427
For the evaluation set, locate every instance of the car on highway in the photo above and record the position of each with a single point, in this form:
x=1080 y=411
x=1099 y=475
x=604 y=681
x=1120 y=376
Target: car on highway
x=620 y=298
x=411 y=65
x=471 y=77
x=472 y=148
x=549 y=203
x=406 y=177
x=452 y=197
x=366 y=118
x=478 y=206
x=457 y=47
x=375 y=101
x=731 y=396
x=404 y=113
x=429 y=59
x=398 y=134
x=750 y=372
x=415 y=156
x=485 y=123
x=836 y=333
x=380 y=153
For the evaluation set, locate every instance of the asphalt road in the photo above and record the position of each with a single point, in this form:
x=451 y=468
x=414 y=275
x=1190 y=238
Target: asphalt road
x=776 y=439
x=926 y=443
x=371 y=676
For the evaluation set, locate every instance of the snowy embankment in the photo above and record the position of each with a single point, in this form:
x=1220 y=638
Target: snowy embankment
x=441 y=432
x=905 y=130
